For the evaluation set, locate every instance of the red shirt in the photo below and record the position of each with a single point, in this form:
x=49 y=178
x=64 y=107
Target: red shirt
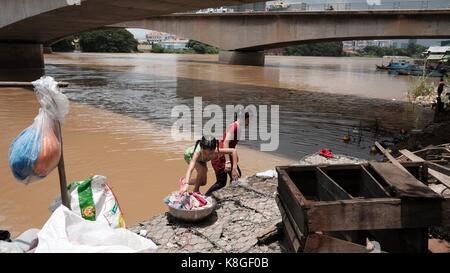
x=218 y=162
x=234 y=129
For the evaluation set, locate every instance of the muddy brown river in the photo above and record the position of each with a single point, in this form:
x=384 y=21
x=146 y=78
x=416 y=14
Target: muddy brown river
x=119 y=121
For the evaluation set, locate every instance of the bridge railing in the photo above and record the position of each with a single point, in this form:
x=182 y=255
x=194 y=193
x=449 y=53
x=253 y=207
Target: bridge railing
x=332 y=6
x=371 y=5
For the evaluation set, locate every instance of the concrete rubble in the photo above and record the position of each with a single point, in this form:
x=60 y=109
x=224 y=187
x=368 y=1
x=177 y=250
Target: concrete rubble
x=247 y=219
x=245 y=211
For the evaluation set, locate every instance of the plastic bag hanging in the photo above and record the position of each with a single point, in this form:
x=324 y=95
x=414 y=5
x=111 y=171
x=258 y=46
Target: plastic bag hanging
x=36 y=151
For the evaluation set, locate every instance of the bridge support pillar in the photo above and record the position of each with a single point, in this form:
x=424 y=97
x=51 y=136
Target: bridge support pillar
x=242 y=57
x=48 y=50
x=21 y=62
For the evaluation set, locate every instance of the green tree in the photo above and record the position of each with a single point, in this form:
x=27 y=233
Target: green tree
x=157 y=48
x=316 y=49
x=109 y=40
x=413 y=50
x=201 y=48
x=65 y=45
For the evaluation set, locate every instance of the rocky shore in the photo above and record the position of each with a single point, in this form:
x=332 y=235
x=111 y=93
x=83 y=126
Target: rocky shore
x=246 y=219
x=433 y=134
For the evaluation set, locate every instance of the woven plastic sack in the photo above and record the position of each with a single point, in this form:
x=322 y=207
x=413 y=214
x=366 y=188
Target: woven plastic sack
x=93 y=200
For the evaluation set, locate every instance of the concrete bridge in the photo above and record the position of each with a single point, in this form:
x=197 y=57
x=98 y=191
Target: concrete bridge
x=25 y=25
x=243 y=36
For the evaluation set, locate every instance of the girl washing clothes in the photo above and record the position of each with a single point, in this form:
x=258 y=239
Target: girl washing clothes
x=204 y=150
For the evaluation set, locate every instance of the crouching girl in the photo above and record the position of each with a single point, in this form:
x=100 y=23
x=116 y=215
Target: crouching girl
x=197 y=157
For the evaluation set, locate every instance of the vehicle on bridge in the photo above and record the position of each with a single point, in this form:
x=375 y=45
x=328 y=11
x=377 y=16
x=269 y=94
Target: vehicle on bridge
x=216 y=10
x=278 y=6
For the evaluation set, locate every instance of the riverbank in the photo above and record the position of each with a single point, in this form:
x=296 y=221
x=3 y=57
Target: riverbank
x=434 y=133
x=245 y=211
x=246 y=220
x=140 y=159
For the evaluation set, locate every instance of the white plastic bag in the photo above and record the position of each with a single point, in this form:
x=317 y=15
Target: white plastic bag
x=66 y=231
x=94 y=200
x=267 y=174
x=36 y=151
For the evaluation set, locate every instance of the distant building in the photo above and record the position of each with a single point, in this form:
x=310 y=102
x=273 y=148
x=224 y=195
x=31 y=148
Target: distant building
x=438 y=50
x=412 y=41
x=174 y=44
x=353 y=46
x=158 y=37
x=144 y=46
x=216 y=10
x=260 y=6
x=166 y=40
x=437 y=56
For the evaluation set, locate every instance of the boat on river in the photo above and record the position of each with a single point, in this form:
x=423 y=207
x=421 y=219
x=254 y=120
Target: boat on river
x=394 y=63
x=420 y=71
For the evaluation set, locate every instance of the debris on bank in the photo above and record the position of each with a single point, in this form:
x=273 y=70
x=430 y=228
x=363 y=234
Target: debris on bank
x=438 y=179
x=246 y=219
x=425 y=101
x=317 y=159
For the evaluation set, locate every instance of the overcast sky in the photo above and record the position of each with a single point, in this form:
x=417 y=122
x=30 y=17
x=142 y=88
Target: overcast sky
x=138 y=33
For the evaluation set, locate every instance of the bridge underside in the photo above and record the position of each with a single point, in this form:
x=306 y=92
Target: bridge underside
x=255 y=58
x=241 y=36
x=21 y=62
x=25 y=26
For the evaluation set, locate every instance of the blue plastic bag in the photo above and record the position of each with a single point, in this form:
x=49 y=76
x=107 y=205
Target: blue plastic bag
x=24 y=152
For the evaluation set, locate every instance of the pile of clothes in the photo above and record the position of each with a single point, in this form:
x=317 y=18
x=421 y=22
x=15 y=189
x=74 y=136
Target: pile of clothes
x=188 y=201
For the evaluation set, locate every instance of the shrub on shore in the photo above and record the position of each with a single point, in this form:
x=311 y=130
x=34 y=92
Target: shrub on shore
x=109 y=40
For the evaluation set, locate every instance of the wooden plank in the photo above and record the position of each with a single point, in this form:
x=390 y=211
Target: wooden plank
x=354 y=236
x=421 y=212
x=439 y=168
x=299 y=168
x=319 y=243
x=424 y=171
x=370 y=187
x=26 y=84
x=293 y=241
x=444 y=179
x=292 y=199
x=445 y=216
x=410 y=164
x=361 y=214
x=431 y=151
x=402 y=240
x=441 y=173
x=403 y=183
x=440 y=161
x=299 y=231
x=328 y=189
x=411 y=156
x=390 y=157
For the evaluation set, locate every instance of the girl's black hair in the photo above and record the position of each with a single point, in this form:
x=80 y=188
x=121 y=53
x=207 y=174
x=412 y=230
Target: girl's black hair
x=208 y=143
